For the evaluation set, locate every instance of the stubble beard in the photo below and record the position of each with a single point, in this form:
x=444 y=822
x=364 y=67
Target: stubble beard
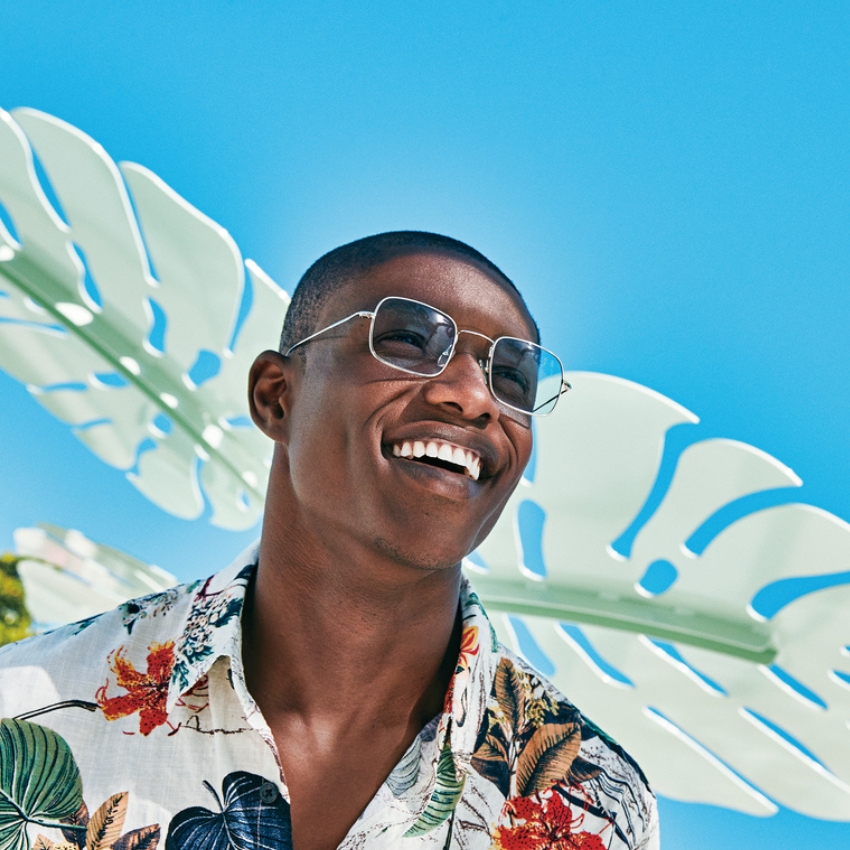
x=423 y=562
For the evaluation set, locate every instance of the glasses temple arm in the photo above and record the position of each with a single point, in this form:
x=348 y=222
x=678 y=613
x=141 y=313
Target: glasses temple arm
x=362 y=314
x=565 y=387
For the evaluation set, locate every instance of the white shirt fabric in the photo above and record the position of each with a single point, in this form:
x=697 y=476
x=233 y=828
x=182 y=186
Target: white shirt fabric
x=135 y=729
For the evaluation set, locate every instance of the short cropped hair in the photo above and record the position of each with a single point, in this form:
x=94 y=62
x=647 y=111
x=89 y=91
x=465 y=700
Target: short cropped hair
x=338 y=267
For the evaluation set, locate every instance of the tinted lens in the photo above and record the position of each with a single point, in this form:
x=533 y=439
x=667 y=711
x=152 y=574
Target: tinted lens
x=525 y=376
x=412 y=336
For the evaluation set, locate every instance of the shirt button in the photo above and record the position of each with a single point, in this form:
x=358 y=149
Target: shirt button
x=268 y=792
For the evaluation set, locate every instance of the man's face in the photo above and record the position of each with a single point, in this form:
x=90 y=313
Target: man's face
x=356 y=425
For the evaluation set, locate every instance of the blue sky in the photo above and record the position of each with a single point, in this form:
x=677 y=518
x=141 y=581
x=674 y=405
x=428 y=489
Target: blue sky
x=668 y=186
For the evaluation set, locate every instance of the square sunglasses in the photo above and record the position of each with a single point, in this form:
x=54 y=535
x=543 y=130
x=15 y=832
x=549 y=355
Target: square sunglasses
x=419 y=339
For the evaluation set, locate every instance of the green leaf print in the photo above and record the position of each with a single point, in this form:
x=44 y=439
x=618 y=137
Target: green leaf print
x=405 y=773
x=40 y=783
x=444 y=798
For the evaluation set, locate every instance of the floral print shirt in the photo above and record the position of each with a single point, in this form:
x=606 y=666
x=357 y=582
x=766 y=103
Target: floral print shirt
x=135 y=730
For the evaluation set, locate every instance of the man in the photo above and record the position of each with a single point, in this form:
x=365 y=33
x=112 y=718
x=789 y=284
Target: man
x=340 y=686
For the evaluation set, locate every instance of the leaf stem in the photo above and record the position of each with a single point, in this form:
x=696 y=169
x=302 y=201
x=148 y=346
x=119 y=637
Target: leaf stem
x=20 y=279
x=215 y=794
x=68 y=703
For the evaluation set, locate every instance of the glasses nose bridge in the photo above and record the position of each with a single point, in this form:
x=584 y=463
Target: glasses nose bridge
x=483 y=362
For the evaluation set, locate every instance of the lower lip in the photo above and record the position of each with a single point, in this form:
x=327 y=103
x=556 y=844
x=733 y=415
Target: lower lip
x=437 y=479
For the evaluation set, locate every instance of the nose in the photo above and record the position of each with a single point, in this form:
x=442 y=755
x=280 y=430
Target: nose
x=462 y=387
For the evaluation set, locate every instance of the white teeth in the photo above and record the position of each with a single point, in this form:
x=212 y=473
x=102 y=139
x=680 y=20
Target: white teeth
x=442 y=451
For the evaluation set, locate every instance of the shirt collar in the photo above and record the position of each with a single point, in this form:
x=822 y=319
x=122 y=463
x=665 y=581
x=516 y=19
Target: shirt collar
x=212 y=627
x=465 y=706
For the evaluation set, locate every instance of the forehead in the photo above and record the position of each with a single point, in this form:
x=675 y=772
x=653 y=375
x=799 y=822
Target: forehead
x=474 y=296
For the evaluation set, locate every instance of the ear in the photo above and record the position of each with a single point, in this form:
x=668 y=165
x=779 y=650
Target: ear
x=270 y=384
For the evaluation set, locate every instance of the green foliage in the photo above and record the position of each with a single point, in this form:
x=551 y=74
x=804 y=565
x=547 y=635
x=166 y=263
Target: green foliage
x=445 y=797
x=39 y=781
x=15 y=619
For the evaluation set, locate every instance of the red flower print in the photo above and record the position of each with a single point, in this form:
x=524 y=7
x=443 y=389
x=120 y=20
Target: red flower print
x=543 y=823
x=146 y=692
x=469 y=646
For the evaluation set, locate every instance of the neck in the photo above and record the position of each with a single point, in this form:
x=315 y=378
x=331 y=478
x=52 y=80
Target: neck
x=348 y=636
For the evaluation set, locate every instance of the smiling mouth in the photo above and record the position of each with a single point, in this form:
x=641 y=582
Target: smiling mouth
x=441 y=454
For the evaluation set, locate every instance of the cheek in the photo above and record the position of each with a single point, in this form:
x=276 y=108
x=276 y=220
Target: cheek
x=329 y=438
x=522 y=439
x=313 y=445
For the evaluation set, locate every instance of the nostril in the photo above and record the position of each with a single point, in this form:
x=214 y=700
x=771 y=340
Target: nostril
x=463 y=386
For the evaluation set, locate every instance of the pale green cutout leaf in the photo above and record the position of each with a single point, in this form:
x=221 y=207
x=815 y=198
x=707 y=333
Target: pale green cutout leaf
x=103 y=364
x=716 y=703
x=67 y=577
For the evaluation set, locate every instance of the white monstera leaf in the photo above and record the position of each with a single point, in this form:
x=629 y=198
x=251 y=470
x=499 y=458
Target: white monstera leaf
x=67 y=577
x=121 y=319
x=694 y=658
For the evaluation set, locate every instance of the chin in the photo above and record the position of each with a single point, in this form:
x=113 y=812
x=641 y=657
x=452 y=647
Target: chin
x=428 y=561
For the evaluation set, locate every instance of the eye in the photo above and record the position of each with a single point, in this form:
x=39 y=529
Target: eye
x=512 y=386
x=401 y=341
x=510 y=380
